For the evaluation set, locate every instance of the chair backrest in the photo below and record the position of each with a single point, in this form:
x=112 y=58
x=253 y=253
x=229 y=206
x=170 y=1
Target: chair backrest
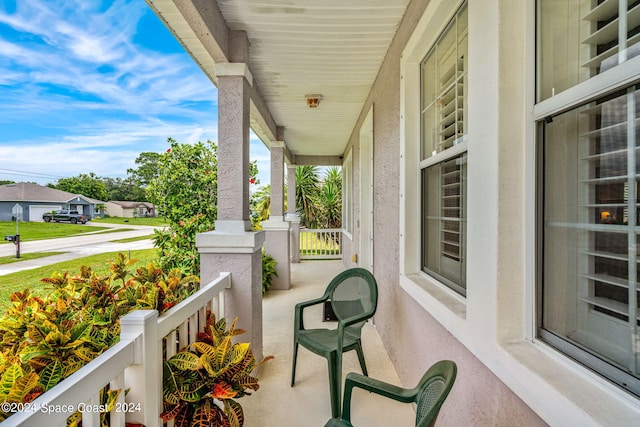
x=434 y=387
x=353 y=291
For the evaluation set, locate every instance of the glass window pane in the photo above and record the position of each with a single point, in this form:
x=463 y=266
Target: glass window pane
x=444 y=221
x=443 y=89
x=579 y=39
x=591 y=205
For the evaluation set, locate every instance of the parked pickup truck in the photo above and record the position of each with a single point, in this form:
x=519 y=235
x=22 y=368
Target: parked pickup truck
x=65 y=215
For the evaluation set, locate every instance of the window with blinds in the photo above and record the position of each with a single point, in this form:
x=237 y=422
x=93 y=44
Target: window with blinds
x=443 y=116
x=444 y=89
x=613 y=26
x=444 y=222
x=579 y=39
x=590 y=290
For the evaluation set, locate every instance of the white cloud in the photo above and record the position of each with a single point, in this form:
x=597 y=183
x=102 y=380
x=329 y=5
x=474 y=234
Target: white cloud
x=76 y=72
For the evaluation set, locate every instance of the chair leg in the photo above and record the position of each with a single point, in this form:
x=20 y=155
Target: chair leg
x=293 y=366
x=363 y=365
x=335 y=379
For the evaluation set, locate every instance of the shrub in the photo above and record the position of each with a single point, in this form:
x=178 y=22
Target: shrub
x=44 y=340
x=268 y=271
x=201 y=383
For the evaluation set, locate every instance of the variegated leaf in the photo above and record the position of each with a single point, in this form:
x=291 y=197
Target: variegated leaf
x=186 y=361
x=51 y=375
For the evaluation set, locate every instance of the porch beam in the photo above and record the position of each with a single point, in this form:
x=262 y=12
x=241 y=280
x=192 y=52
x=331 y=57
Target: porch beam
x=202 y=30
x=318 y=160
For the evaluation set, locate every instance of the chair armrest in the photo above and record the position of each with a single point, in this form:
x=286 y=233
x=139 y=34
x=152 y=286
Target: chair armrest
x=355 y=319
x=374 y=386
x=299 y=320
x=379 y=387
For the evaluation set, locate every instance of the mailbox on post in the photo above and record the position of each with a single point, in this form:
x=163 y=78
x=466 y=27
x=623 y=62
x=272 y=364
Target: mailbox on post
x=16 y=241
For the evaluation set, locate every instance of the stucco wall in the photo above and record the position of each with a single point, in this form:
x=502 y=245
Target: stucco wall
x=413 y=338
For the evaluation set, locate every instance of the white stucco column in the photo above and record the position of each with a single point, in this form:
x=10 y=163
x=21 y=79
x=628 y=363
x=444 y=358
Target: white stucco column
x=292 y=214
x=233 y=247
x=276 y=228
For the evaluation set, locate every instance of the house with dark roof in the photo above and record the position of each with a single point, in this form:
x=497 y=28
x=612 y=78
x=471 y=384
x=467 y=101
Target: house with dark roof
x=37 y=199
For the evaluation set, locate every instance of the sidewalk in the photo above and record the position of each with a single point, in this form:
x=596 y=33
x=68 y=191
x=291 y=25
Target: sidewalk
x=76 y=247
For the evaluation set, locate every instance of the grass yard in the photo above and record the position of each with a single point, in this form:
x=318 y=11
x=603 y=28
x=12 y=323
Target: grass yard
x=100 y=263
x=43 y=230
x=155 y=222
x=311 y=244
x=26 y=257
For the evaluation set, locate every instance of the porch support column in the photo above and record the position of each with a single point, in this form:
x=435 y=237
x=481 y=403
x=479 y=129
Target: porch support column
x=292 y=214
x=233 y=247
x=276 y=228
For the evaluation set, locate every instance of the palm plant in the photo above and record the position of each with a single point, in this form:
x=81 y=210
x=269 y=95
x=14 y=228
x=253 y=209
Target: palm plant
x=307 y=183
x=330 y=206
x=333 y=176
x=261 y=203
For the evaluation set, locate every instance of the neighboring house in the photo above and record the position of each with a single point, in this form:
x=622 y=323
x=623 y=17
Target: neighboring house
x=36 y=200
x=124 y=209
x=491 y=182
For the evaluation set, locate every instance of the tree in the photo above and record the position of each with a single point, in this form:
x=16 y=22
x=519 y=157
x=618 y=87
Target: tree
x=261 y=204
x=186 y=193
x=6 y=181
x=307 y=184
x=148 y=169
x=125 y=189
x=187 y=182
x=89 y=185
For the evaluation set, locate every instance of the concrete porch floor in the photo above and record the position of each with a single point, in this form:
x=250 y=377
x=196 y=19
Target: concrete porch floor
x=277 y=404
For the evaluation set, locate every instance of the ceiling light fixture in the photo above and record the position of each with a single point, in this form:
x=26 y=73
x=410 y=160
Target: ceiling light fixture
x=313 y=100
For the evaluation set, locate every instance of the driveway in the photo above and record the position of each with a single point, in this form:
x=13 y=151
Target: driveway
x=78 y=246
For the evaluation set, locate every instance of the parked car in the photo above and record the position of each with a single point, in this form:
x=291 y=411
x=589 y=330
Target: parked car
x=73 y=217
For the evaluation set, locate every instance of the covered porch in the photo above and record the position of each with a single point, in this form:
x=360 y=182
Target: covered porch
x=278 y=404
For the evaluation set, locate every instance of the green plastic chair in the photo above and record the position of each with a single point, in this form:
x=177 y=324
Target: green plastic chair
x=429 y=394
x=354 y=297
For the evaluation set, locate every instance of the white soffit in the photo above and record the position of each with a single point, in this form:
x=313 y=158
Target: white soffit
x=297 y=47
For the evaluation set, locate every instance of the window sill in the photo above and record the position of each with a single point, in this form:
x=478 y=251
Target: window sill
x=433 y=296
x=561 y=391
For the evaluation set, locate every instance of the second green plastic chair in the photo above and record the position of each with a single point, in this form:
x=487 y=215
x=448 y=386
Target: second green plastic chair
x=429 y=395
x=354 y=299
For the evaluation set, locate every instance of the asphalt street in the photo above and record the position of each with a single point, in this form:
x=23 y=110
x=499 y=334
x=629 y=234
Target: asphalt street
x=78 y=246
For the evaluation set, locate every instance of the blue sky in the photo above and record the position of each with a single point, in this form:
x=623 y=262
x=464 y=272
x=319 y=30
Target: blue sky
x=87 y=85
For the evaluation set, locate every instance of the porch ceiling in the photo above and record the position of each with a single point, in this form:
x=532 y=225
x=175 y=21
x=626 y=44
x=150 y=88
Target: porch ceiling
x=333 y=48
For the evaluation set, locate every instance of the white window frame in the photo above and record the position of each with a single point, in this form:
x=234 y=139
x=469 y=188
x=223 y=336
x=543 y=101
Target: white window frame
x=496 y=322
x=612 y=80
x=431 y=293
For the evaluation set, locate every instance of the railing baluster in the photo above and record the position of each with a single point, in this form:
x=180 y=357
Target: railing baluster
x=183 y=335
x=193 y=328
x=320 y=244
x=134 y=362
x=117 y=415
x=90 y=417
x=202 y=318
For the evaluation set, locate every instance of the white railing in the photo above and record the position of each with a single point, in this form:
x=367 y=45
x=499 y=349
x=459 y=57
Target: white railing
x=320 y=244
x=134 y=363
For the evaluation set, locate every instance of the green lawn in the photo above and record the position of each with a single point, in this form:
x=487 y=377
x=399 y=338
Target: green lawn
x=43 y=230
x=156 y=222
x=25 y=257
x=100 y=263
x=310 y=244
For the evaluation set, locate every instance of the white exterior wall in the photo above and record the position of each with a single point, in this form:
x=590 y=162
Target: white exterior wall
x=506 y=377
